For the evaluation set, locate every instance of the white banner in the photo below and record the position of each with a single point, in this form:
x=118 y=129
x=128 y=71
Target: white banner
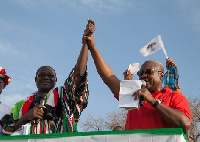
x=149 y=135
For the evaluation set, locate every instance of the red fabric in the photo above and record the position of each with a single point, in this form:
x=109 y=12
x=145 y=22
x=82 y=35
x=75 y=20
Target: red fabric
x=5 y=77
x=55 y=97
x=146 y=117
x=26 y=106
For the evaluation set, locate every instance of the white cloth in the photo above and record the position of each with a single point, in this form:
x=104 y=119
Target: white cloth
x=103 y=136
x=4 y=109
x=134 y=68
x=153 y=46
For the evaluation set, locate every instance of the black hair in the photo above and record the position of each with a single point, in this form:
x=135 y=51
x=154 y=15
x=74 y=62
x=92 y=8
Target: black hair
x=45 y=67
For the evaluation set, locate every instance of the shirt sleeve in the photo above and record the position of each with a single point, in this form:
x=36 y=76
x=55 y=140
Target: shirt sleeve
x=77 y=95
x=180 y=103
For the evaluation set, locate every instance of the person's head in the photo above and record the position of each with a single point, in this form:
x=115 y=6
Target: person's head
x=118 y=128
x=45 y=79
x=2 y=85
x=152 y=73
x=4 y=79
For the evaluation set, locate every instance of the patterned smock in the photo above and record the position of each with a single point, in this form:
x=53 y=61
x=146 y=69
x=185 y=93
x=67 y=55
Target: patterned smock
x=67 y=101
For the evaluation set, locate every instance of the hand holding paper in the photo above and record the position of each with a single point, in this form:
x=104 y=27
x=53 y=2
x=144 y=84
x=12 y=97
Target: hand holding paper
x=127 y=88
x=134 y=68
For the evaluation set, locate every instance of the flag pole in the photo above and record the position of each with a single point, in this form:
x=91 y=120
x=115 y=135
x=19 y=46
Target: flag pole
x=163 y=48
x=165 y=52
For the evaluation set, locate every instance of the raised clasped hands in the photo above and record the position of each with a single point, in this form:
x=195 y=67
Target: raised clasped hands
x=88 y=33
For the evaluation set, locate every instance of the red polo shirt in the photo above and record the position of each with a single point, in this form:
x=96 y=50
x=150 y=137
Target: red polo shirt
x=146 y=117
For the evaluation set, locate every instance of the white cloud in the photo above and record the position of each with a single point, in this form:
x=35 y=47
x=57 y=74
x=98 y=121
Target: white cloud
x=11 y=100
x=106 y=5
x=8 y=51
x=31 y=85
x=94 y=5
x=191 y=11
x=17 y=90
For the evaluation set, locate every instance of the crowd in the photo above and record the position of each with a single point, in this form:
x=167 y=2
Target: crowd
x=53 y=109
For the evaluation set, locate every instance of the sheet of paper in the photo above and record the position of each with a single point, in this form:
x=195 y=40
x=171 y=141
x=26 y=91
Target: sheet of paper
x=127 y=88
x=134 y=68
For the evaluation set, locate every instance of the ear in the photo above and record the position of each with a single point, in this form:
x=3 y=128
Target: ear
x=35 y=79
x=56 y=79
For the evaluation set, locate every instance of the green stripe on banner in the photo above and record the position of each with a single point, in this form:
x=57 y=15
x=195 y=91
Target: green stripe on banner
x=165 y=131
x=43 y=126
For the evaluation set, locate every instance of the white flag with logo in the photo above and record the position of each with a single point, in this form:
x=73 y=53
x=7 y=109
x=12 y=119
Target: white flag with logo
x=152 y=47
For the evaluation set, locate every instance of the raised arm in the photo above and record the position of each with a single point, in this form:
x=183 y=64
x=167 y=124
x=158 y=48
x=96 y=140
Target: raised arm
x=103 y=68
x=80 y=67
x=172 y=63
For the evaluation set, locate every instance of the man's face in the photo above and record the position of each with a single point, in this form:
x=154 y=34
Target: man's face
x=2 y=85
x=45 y=79
x=151 y=75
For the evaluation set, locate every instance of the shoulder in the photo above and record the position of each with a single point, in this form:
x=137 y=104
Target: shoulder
x=172 y=94
x=177 y=95
x=21 y=102
x=177 y=99
x=174 y=97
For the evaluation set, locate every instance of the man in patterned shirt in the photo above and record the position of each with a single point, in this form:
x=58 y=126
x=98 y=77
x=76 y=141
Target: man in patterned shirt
x=63 y=105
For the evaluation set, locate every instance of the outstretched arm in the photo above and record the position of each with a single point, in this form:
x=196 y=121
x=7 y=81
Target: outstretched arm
x=103 y=68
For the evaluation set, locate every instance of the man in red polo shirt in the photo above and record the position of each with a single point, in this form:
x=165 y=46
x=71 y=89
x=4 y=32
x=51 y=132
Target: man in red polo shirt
x=162 y=108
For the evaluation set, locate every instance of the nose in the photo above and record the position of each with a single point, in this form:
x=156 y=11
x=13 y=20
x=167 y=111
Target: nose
x=46 y=77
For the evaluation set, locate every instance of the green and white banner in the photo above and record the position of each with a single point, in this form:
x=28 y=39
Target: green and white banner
x=148 y=135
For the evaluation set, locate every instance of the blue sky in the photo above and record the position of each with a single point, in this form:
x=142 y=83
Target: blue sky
x=48 y=32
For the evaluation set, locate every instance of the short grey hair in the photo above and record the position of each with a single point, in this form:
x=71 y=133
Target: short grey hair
x=158 y=64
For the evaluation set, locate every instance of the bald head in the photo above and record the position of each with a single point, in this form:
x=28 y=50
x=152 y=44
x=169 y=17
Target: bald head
x=152 y=73
x=158 y=65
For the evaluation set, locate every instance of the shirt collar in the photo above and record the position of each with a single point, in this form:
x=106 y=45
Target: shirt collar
x=164 y=90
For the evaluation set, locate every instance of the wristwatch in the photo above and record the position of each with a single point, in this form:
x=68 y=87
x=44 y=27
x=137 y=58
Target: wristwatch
x=156 y=103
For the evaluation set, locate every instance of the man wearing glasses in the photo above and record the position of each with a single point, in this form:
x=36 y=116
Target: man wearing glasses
x=49 y=109
x=162 y=108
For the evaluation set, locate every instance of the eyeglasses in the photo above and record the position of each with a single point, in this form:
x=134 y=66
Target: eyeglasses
x=147 y=71
x=42 y=75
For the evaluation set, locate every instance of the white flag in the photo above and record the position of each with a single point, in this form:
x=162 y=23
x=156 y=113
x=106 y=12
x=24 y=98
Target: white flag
x=152 y=47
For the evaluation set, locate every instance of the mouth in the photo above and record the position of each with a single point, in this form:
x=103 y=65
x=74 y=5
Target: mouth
x=45 y=83
x=147 y=83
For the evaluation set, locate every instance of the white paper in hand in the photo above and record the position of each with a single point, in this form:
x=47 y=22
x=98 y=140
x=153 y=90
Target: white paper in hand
x=134 y=68
x=127 y=88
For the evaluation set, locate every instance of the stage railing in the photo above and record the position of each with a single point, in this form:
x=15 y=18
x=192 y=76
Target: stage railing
x=148 y=135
